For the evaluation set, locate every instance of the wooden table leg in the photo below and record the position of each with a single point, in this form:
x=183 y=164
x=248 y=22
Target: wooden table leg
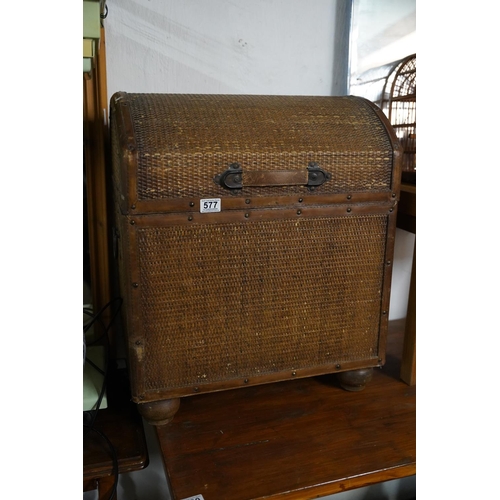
x=89 y=485
x=408 y=362
x=105 y=487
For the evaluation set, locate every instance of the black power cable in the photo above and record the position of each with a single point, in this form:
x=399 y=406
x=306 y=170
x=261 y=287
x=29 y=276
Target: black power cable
x=92 y=415
x=97 y=317
x=114 y=458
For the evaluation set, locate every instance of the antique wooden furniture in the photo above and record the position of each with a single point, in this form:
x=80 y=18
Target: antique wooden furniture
x=407 y=220
x=95 y=144
x=294 y=440
x=254 y=237
x=121 y=425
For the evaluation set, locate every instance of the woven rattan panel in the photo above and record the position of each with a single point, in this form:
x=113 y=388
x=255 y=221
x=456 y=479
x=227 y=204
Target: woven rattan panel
x=223 y=301
x=183 y=141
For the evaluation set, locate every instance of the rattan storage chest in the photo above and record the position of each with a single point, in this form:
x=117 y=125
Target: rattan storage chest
x=255 y=240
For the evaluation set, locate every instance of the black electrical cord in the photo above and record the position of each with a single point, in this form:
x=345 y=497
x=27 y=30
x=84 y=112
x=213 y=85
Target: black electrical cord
x=97 y=317
x=104 y=372
x=92 y=415
x=104 y=13
x=113 y=456
x=90 y=313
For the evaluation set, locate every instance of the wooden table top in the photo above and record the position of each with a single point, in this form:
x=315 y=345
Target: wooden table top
x=122 y=425
x=293 y=440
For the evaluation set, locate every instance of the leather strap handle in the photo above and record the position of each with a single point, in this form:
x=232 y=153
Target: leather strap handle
x=235 y=178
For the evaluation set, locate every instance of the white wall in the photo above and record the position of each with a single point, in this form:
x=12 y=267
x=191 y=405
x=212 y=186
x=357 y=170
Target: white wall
x=227 y=46
x=383 y=31
x=401 y=276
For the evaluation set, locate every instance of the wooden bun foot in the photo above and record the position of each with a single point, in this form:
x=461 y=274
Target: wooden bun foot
x=159 y=412
x=355 y=380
